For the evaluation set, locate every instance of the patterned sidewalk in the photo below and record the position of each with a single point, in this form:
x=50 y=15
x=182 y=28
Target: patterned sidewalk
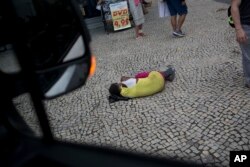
x=200 y=116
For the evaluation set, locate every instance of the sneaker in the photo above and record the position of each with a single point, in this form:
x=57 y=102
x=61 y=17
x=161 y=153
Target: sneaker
x=174 y=35
x=179 y=33
x=170 y=73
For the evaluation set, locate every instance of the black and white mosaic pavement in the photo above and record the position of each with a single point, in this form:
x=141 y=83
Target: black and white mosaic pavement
x=200 y=116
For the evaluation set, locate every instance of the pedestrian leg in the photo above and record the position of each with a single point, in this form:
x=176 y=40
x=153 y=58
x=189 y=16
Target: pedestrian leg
x=174 y=22
x=181 y=20
x=137 y=28
x=245 y=48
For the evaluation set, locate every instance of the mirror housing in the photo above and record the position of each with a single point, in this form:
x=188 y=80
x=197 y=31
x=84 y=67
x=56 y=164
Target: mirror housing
x=50 y=41
x=62 y=79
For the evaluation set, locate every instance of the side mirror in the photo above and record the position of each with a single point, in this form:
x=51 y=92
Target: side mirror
x=50 y=39
x=68 y=75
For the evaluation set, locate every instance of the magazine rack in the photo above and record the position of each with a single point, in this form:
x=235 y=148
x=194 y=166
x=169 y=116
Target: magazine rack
x=107 y=16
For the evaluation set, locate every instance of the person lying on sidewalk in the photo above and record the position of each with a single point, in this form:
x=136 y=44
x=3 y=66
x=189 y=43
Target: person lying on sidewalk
x=143 y=84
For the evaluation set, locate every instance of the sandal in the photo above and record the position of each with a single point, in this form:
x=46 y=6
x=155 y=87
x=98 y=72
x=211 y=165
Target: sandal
x=142 y=34
x=138 y=37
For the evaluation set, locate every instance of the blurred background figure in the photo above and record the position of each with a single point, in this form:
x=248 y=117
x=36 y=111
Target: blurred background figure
x=240 y=10
x=177 y=7
x=138 y=16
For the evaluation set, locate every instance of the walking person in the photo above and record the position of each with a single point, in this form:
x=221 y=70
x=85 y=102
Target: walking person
x=177 y=7
x=240 y=10
x=136 y=10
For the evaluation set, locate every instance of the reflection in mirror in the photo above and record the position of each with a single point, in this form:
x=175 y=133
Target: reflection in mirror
x=50 y=31
x=77 y=50
x=63 y=80
x=8 y=60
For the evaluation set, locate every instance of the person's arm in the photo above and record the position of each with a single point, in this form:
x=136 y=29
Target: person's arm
x=123 y=78
x=240 y=33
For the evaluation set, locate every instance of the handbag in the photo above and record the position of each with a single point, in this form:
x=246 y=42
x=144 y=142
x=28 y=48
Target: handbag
x=230 y=18
x=163 y=9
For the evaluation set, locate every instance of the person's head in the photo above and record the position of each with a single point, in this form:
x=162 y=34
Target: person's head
x=115 y=89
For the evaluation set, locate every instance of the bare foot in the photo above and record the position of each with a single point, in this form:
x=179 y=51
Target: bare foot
x=138 y=37
x=142 y=34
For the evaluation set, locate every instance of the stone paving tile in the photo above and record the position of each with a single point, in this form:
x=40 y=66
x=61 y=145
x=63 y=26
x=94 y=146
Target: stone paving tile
x=201 y=116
